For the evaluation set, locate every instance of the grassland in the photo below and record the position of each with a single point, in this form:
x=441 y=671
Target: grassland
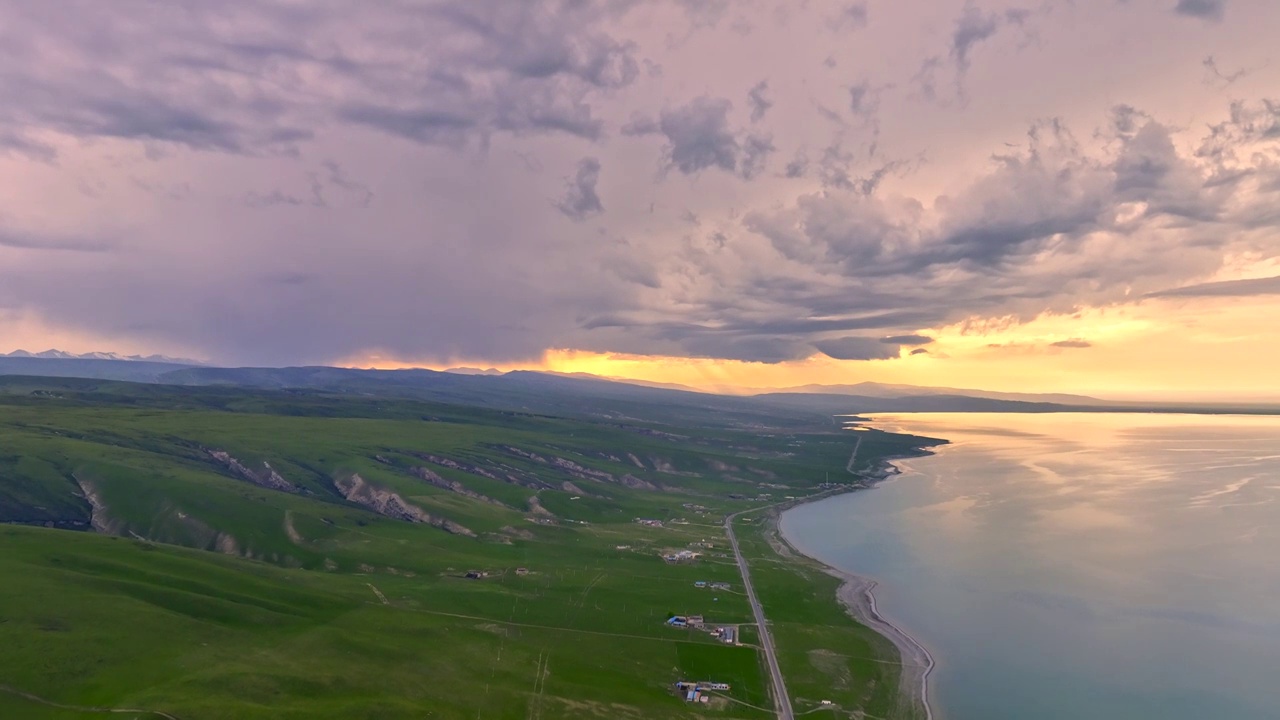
x=142 y=570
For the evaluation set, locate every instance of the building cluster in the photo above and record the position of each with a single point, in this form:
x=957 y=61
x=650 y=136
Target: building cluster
x=649 y=522
x=680 y=556
x=713 y=586
x=691 y=621
x=697 y=691
x=727 y=635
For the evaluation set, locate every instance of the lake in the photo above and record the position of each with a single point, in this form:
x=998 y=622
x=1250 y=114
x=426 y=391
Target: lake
x=1077 y=565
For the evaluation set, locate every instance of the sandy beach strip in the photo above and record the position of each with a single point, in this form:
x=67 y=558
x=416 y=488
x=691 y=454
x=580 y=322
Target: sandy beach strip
x=857 y=595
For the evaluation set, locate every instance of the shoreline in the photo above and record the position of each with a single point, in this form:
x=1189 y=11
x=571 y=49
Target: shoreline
x=857 y=595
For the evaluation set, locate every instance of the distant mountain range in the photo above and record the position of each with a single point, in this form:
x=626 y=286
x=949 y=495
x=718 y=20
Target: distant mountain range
x=574 y=395
x=882 y=390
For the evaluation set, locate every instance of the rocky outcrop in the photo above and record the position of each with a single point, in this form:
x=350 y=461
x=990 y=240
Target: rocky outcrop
x=535 y=507
x=389 y=504
x=636 y=483
x=517 y=533
x=267 y=477
x=454 y=486
x=294 y=536
x=458 y=465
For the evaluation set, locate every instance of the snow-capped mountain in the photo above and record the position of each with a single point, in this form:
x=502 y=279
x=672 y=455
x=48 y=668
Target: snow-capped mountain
x=63 y=355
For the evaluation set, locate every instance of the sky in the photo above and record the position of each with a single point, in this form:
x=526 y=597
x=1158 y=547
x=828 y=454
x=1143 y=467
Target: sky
x=1063 y=195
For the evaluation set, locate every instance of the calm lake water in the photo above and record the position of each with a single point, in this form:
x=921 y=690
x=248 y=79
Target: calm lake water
x=1074 y=566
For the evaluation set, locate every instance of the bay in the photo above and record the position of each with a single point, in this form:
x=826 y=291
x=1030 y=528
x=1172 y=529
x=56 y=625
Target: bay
x=1066 y=566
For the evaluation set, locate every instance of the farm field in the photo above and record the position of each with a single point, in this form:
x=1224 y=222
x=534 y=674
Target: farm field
x=210 y=553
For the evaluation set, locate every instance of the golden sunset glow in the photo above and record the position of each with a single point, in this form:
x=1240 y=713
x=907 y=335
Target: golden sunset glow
x=1206 y=350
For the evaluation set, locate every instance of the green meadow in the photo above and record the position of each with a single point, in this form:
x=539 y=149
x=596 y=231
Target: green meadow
x=140 y=571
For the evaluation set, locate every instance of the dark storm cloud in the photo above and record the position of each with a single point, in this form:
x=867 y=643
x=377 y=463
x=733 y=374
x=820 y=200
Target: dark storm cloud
x=1203 y=9
x=857 y=348
x=249 y=77
x=581 y=200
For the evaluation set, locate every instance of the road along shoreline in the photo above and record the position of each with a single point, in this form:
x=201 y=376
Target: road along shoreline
x=857 y=594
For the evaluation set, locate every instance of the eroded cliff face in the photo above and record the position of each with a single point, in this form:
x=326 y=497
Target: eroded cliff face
x=435 y=479
x=496 y=471
x=356 y=489
x=99 y=519
x=202 y=535
x=581 y=472
x=267 y=477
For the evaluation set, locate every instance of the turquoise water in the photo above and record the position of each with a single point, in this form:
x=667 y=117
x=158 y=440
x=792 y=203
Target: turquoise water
x=1073 y=566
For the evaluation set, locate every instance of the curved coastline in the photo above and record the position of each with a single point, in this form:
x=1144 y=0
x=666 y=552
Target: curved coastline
x=857 y=594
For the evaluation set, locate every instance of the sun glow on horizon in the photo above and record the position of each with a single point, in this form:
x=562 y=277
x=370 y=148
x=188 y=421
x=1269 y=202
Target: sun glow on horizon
x=1124 y=352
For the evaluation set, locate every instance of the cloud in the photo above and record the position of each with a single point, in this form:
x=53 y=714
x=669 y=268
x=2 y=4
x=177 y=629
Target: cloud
x=1072 y=343
x=973 y=28
x=1225 y=288
x=17 y=240
x=300 y=182
x=1051 y=226
x=1215 y=75
x=699 y=137
x=581 y=200
x=864 y=99
x=759 y=100
x=756 y=149
x=907 y=340
x=854 y=15
x=857 y=348
x=1203 y=9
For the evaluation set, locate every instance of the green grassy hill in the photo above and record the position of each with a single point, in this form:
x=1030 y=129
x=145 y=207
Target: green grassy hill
x=221 y=553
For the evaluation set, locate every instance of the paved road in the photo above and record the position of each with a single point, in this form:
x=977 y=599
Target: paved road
x=781 y=701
